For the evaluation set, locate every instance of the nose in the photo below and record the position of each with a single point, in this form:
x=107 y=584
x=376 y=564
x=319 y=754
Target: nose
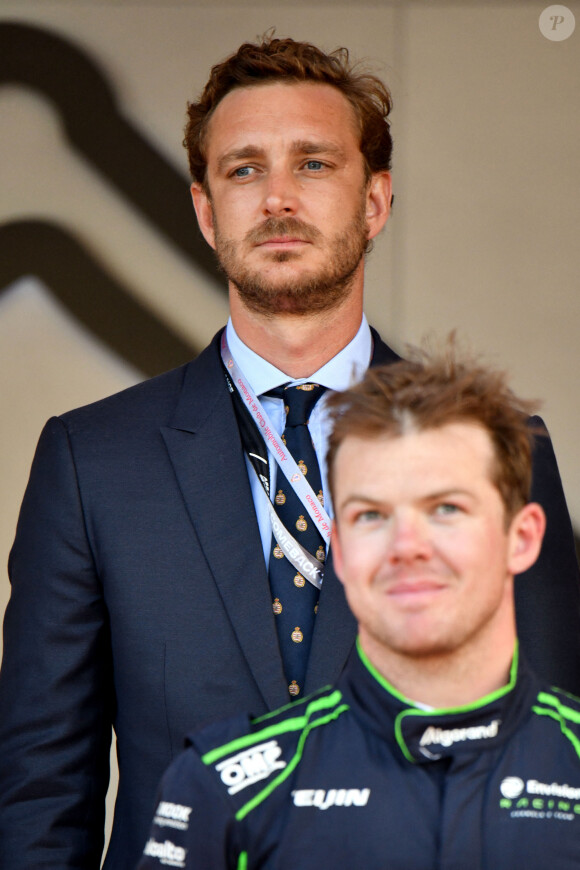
x=409 y=539
x=281 y=197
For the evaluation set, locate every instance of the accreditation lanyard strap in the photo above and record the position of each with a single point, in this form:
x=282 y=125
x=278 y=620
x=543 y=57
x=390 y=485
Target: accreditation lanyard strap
x=274 y=443
x=255 y=448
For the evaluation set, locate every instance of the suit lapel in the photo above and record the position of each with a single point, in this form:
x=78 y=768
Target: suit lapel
x=206 y=453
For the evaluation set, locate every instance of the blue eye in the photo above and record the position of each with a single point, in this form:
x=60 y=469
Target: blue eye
x=243 y=172
x=447 y=509
x=314 y=165
x=368 y=516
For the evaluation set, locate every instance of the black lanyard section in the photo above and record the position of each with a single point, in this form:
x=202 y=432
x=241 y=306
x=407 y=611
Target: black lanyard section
x=252 y=441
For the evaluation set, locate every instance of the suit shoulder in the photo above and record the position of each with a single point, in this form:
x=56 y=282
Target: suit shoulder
x=146 y=390
x=382 y=353
x=152 y=398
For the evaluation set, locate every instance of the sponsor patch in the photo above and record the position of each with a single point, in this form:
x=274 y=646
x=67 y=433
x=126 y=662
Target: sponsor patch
x=322 y=798
x=532 y=799
x=172 y=816
x=250 y=766
x=512 y=786
x=167 y=853
x=448 y=736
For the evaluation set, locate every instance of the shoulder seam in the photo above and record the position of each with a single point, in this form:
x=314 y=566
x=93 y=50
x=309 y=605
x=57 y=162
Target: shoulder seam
x=296 y=723
x=561 y=714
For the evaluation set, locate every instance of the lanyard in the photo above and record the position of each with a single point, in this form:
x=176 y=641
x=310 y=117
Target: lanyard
x=275 y=444
x=257 y=431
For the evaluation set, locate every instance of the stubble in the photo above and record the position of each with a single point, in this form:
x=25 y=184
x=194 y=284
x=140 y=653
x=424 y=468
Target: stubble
x=312 y=292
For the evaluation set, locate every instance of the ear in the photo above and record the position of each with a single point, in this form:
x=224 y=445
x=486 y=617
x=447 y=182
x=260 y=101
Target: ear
x=525 y=535
x=336 y=551
x=379 y=195
x=204 y=212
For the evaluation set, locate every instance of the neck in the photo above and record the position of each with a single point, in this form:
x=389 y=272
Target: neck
x=444 y=681
x=297 y=344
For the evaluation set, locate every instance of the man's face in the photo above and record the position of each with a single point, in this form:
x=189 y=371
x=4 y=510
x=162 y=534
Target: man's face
x=421 y=543
x=288 y=210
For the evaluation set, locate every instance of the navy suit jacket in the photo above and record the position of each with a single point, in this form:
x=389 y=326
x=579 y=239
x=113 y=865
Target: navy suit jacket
x=140 y=598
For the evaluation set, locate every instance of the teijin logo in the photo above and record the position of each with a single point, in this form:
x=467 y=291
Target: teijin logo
x=334 y=797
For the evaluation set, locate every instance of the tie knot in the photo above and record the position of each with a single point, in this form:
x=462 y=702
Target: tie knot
x=300 y=401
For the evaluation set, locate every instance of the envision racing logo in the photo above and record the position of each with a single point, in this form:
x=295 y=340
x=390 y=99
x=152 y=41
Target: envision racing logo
x=447 y=737
x=250 y=766
x=512 y=786
x=539 y=800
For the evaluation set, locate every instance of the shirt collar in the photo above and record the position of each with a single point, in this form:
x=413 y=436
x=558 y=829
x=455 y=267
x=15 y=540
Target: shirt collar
x=343 y=370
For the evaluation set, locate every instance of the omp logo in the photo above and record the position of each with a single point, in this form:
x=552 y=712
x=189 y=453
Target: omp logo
x=447 y=737
x=250 y=766
x=167 y=853
x=172 y=816
x=334 y=797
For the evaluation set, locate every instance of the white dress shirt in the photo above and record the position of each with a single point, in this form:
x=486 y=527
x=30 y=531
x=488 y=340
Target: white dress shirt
x=339 y=373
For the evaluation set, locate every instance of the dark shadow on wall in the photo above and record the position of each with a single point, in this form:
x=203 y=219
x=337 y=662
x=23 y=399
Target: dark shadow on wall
x=86 y=104
x=96 y=299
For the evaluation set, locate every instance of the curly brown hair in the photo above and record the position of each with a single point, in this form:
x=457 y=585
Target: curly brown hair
x=432 y=389
x=288 y=61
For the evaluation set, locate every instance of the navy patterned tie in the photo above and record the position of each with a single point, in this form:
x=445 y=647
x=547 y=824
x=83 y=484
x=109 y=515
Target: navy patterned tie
x=294 y=599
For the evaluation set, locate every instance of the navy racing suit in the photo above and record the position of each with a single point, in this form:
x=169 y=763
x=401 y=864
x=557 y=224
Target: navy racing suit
x=357 y=776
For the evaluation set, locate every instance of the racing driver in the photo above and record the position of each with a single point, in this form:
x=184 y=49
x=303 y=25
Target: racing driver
x=437 y=747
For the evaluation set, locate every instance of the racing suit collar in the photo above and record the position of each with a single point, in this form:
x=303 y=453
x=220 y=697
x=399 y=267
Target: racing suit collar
x=424 y=736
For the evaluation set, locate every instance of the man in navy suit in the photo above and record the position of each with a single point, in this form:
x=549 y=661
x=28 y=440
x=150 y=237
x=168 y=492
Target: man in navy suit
x=140 y=593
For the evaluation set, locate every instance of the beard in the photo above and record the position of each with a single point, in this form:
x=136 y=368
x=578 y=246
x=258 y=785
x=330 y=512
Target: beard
x=313 y=292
